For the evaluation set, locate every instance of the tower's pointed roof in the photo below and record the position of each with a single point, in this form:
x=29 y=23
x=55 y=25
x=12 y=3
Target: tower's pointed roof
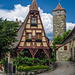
x=34 y=5
x=59 y=7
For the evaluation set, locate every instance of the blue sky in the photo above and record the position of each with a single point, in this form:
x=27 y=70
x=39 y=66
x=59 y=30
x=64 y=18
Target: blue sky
x=46 y=5
x=12 y=9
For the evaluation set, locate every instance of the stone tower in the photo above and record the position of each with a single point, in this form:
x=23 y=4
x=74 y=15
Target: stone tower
x=59 y=21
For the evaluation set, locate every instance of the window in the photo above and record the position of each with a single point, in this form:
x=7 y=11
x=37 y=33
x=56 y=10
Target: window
x=38 y=36
x=34 y=21
x=58 y=12
x=65 y=47
x=28 y=36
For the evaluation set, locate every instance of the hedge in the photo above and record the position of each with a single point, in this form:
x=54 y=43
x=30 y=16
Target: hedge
x=32 y=68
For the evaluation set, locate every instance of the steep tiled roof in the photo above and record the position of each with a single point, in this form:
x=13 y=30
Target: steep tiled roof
x=34 y=5
x=19 y=33
x=70 y=34
x=59 y=7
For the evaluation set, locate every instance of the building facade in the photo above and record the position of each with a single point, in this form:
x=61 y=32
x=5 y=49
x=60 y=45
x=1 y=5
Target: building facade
x=67 y=50
x=59 y=21
x=31 y=35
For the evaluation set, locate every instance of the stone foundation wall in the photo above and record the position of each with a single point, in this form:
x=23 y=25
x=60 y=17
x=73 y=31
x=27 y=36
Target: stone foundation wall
x=32 y=72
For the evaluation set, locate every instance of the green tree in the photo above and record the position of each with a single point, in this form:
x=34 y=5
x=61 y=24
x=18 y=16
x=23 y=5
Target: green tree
x=8 y=33
x=66 y=34
x=58 y=40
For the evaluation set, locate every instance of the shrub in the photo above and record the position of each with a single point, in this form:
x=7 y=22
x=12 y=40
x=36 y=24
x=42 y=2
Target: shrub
x=4 y=62
x=67 y=59
x=32 y=68
x=25 y=61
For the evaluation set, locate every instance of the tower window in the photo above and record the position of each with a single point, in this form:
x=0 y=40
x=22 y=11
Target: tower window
x=58 y=12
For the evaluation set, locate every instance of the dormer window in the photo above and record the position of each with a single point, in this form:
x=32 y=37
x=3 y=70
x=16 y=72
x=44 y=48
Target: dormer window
x=33 y=21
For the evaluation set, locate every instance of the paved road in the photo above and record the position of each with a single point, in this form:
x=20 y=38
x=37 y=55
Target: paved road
x=63 y=68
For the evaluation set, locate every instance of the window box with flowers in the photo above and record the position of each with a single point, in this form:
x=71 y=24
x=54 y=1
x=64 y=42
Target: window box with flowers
x=38 y=40
x=28 y=40
x=33 y=24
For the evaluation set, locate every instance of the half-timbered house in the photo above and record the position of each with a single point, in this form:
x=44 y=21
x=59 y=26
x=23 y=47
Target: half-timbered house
x=31 y=36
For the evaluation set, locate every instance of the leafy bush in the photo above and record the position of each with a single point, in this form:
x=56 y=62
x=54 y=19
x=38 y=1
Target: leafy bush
x=4 y=63
x=67 y=59
x=25 y=61
x=53 y=57
x=32 y=68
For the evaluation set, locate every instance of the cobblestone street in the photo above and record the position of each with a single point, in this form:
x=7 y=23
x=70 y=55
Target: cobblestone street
x=63 y=68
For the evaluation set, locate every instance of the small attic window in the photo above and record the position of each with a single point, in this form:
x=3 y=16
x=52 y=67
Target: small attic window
x=33 y=21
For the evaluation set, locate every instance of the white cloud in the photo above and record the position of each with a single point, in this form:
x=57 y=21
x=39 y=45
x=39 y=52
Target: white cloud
x=21 y=12
x=69 y=26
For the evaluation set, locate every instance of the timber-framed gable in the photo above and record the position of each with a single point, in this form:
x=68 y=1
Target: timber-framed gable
x=33 y=36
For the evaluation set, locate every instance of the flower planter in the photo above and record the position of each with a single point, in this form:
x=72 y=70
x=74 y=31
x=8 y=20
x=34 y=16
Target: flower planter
x=38 y=40
x=28 y=40
x=33 y=24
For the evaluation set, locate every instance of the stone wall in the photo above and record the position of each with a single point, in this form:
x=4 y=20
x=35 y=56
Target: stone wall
x=62 y=54
x=32 y=72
